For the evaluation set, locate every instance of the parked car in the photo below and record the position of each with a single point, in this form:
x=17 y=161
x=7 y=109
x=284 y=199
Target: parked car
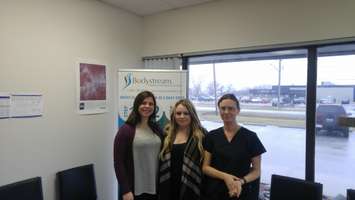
x=245 y=99
x=327 y=118
x=205 y=98
x=283 y=101
x=345 y=101
x=328 y=100
x=299 y=100
x=257 y=100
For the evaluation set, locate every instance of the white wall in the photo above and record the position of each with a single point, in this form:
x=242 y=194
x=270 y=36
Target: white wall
x=40 y=42
x=226 y=24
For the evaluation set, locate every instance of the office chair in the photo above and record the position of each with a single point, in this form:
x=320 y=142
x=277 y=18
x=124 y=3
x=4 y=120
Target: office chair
x=29 y=189
x=283 y=187
x=350 y=194
x=77 y=183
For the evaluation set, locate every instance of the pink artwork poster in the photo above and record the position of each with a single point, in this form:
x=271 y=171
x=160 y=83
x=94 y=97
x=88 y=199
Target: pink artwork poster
x=92 y=82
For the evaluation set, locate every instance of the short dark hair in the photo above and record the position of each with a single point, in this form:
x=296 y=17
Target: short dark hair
x=134 y=117
x=231 y=97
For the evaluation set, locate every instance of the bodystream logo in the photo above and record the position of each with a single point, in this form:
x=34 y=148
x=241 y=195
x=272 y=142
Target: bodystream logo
x=128 y=80
x=131 y=80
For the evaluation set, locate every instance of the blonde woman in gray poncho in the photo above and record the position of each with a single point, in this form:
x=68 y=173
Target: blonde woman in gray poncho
x=180 y=172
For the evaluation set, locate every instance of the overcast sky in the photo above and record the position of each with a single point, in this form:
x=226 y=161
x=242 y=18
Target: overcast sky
x=339 y=70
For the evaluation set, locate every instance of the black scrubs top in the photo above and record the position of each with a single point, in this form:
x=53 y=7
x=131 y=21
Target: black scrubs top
x=232 y=157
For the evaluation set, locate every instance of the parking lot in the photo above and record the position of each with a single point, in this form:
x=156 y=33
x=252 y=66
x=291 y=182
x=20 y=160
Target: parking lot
x=283 y=134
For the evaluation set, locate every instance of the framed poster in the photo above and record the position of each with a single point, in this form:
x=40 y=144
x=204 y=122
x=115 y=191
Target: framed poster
x=168 y=86
x=92 y=88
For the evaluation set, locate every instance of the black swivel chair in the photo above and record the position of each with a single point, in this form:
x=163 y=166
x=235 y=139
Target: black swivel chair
x=29 y=189
x=77 y=183
x=350 y=194
x=283 y=187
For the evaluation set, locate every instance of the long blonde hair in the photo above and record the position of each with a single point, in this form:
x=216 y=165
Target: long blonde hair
x=172 y=127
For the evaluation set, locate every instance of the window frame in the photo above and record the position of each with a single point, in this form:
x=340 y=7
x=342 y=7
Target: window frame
x=311 y=93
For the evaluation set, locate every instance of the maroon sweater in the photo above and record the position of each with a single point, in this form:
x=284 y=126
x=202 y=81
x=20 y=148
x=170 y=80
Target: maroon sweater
x=123 y=157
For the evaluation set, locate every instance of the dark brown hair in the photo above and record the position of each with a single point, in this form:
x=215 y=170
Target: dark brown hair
x=134 y=117
x=231 y=97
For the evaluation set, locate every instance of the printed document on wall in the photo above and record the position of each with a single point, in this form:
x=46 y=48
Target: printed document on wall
x=26 y=105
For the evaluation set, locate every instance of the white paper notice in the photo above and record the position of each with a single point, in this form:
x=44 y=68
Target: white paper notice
x=26 y=105
x=4 y=106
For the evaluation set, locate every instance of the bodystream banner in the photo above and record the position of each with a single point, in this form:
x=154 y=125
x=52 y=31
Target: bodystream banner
x=168 y=86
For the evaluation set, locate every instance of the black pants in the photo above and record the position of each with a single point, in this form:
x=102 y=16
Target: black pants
x=146 y=196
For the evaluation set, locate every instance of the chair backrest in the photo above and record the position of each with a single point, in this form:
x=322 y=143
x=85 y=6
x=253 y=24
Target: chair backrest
x=283 y=187
x=350 y=194
x=77 y=183
x=29 y=189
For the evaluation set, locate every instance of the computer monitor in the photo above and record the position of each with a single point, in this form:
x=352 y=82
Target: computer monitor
x=283 y=187
x=29 y=189
x=77 y=183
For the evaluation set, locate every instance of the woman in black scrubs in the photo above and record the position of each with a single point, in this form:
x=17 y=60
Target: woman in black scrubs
x=232 y=157
x=180 y=169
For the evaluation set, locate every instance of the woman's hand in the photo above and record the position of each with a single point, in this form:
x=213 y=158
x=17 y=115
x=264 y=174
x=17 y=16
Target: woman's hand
x=237 y=189
x=231 y=182
x=128 y=196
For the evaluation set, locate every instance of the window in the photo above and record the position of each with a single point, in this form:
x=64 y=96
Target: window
x=271 y=87
x=335 y=143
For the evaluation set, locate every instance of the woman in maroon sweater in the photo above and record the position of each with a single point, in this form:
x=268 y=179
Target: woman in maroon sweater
x=138 y=142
